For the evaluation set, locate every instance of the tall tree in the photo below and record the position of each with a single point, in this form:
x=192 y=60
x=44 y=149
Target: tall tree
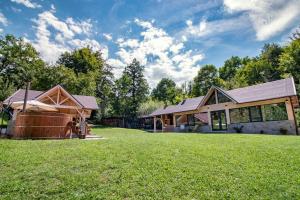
x=19 y=63
x=165 y=91
x=87 y=66
x=131 y=90
x=207 y=76
x=261 y=69
x=228 y=70
x=82 y=60
x=290 y=60
x=104 y=88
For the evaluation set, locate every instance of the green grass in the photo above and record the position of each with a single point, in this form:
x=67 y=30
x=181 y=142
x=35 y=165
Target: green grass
x=132 y=164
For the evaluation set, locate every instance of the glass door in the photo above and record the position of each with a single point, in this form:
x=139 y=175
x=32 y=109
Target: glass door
x=218 y=120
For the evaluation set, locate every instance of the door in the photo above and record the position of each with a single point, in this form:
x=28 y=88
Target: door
x=218 y=120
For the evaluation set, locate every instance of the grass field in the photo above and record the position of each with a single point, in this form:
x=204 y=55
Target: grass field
x=132 y=164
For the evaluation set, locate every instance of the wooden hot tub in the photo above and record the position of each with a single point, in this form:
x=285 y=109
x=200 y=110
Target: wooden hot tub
x=41 y=125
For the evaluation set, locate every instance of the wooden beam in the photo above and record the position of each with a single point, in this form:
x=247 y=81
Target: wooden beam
x=58 y=93
x=51 y=99
x=64 y=100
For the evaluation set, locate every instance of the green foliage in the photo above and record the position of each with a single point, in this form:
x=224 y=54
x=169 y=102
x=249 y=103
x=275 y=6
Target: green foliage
x=82 y=60
x=261 y=69
x=165 y=91
x=149 y=106
x=132 y=164
x=19 y=64
x=207 y=76
x=290 y=60
x=130 y=90
x=230 y=67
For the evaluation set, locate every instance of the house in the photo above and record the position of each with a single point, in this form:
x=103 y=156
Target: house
x=263 y=108
x=49 y=114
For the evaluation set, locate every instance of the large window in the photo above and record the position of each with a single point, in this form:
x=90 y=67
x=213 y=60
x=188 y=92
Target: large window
x=275 y=112
x=191 y=120
x=222 y=98
x=239 y=115
x=255 y=114
x=212 y=99
x=246 y=114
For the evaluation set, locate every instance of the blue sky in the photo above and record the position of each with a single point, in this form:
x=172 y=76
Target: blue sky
x=172 y=38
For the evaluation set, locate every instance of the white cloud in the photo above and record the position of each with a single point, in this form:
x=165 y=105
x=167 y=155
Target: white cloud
x=1 y=30
x=27 y=3
x=268 y=17
x=211 y=28
x=107 y=36
x=3 y=19
x=65 y=34
x=162 y=55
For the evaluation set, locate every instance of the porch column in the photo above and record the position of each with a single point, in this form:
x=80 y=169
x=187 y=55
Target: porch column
x=209 y=119
x=227 y=116
x=154 y=121
x=289 y=110
x=174 y=121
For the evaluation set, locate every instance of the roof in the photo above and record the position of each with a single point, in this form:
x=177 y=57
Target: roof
x=264 y=91
x=185 y=105
x=88 y=102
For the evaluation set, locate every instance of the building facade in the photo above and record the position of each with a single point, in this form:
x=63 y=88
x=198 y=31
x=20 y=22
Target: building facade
x=264 y=108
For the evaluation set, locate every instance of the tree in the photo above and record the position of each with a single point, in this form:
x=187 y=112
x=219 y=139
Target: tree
x=228 y=70
x=104 y=88
x=149 y=106
x=88 y=68
x=19 y=63
x=290 y=60
x=165 y=91
x=82 y=60
x=261 y=69
x=130 y=91
x=207 y=76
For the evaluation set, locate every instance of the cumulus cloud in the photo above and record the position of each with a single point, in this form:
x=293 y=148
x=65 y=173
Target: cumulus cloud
x=3 y=19
x=27 y=3
x=65 y=36
x=268 y=17
x=161 y=54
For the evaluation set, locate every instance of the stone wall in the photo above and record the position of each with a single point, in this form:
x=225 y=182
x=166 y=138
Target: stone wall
x=270 y=127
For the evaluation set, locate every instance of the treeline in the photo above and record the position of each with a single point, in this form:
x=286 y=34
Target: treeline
x=273 y=63
x=85 y=72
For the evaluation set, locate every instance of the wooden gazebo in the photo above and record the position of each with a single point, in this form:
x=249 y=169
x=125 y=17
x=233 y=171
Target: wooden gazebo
x=68 y=119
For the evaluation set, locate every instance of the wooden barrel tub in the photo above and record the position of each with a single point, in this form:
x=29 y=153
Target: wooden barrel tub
x=42 y=125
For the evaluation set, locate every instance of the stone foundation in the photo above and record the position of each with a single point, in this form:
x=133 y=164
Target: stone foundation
x=270 y=127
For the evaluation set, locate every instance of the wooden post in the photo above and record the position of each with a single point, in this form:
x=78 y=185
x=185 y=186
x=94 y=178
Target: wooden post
x=154 y=124
x=26 y=96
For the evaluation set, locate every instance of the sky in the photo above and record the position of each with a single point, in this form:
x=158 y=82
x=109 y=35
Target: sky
x=171 y=38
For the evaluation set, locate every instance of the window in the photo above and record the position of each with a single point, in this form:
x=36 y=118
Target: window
x=255 y=114
x=191 y=120
x=275 y=112
x=239 y=115
x=212 y=99
x=222 y=98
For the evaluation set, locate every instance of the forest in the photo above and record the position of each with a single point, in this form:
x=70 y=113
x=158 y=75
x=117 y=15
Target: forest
x=85 y=72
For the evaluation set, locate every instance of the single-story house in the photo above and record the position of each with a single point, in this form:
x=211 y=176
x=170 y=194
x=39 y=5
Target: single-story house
x=263 y=108
x=49 y=114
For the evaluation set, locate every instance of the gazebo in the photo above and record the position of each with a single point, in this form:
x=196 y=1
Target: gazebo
x=52 y=114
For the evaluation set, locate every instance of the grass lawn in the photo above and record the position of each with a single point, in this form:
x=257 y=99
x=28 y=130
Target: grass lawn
x=132 y=164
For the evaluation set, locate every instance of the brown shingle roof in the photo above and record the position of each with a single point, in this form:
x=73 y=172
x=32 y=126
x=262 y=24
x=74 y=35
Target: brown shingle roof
x=264 y=91
x=88 y=102
x=188 y=104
